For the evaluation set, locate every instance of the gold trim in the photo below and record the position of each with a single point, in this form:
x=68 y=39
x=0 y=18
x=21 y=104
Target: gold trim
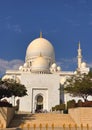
x=40 y=34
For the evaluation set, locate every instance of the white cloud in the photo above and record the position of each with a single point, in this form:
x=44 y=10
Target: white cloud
x=68 y=64
x=15 y=28
x=10 y=26
x=13 y=64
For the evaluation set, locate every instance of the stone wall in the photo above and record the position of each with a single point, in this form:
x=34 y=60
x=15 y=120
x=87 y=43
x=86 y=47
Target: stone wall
x=6 y=115
x=82 y=115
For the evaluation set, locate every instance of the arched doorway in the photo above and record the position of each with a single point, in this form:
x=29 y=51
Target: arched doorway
x=39 y=103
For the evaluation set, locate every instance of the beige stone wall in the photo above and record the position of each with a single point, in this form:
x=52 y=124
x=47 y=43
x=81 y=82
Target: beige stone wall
x=82 y=115
x=6 y=115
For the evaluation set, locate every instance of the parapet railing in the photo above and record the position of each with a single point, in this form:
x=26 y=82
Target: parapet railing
x=53 y=127
x=29 y=126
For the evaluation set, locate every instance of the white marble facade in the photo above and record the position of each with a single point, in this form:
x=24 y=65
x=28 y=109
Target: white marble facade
x=42 y=77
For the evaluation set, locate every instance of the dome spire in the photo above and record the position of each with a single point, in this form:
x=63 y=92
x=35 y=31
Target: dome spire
x=40 y=54
x=79 y=45
x=40 y=34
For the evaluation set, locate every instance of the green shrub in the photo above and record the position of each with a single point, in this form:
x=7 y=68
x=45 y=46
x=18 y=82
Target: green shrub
x=53 y=108
x=58 y=107
x=87 y=104
x=79 y=104
x=61 y=107
x=71 y=104
x=84 y=104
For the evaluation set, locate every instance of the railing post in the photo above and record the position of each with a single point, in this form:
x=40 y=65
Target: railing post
x=46 y=126
x=81 y=126
x=87 y=127
x=75 y=126
x=69 y=126
x=63 y=126
x=40 y=126
x=22 y=126
x=28 y=126
x=52 y=126
x=34 y=126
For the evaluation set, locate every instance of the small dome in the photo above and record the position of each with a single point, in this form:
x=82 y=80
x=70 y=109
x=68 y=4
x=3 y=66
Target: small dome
x=75 y=72
x=5 y=77
x=83 y=65
x=40 y=65
x=54 y=65
x=25 y=65
x=58 y=68
x=40 y=45
x=20 y=68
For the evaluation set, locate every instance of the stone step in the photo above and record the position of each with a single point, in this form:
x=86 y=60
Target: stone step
x=42 y=118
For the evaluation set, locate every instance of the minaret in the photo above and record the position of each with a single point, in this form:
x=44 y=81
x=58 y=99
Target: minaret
x=79 y=56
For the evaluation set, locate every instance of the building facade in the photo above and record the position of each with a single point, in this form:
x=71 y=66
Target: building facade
x=42 y=77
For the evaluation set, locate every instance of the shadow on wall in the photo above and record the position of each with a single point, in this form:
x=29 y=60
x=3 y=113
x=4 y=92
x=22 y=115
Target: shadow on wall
x=6 y=115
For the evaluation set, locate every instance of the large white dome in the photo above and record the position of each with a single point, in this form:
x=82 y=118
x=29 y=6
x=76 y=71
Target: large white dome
x=40 y=46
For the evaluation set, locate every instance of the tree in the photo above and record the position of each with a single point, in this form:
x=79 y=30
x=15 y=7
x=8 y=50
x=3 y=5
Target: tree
x=17 y=89
x=4 y=89
x=10 y=88
x=79 y=85
x=90 y=73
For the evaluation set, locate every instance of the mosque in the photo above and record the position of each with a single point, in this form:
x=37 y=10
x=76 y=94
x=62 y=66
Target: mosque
x=42 y=77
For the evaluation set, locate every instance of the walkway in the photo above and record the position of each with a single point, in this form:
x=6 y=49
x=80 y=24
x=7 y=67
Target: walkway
x=42 y=118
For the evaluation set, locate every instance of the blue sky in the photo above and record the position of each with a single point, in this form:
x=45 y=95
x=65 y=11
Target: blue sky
x=63 y=23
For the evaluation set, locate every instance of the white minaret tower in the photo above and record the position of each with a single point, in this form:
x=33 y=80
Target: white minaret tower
x=79 y=56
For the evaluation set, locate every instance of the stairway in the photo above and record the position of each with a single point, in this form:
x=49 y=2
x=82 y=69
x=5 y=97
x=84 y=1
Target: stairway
x=82 y=115
x=85 y=116
x=42 y=118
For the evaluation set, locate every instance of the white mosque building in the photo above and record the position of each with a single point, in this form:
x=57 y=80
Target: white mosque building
x=42 y=77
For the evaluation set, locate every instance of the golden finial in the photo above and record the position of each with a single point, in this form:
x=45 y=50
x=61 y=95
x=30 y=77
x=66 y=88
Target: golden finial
x=40 y=34
x=79 y=44
x=40 y=54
